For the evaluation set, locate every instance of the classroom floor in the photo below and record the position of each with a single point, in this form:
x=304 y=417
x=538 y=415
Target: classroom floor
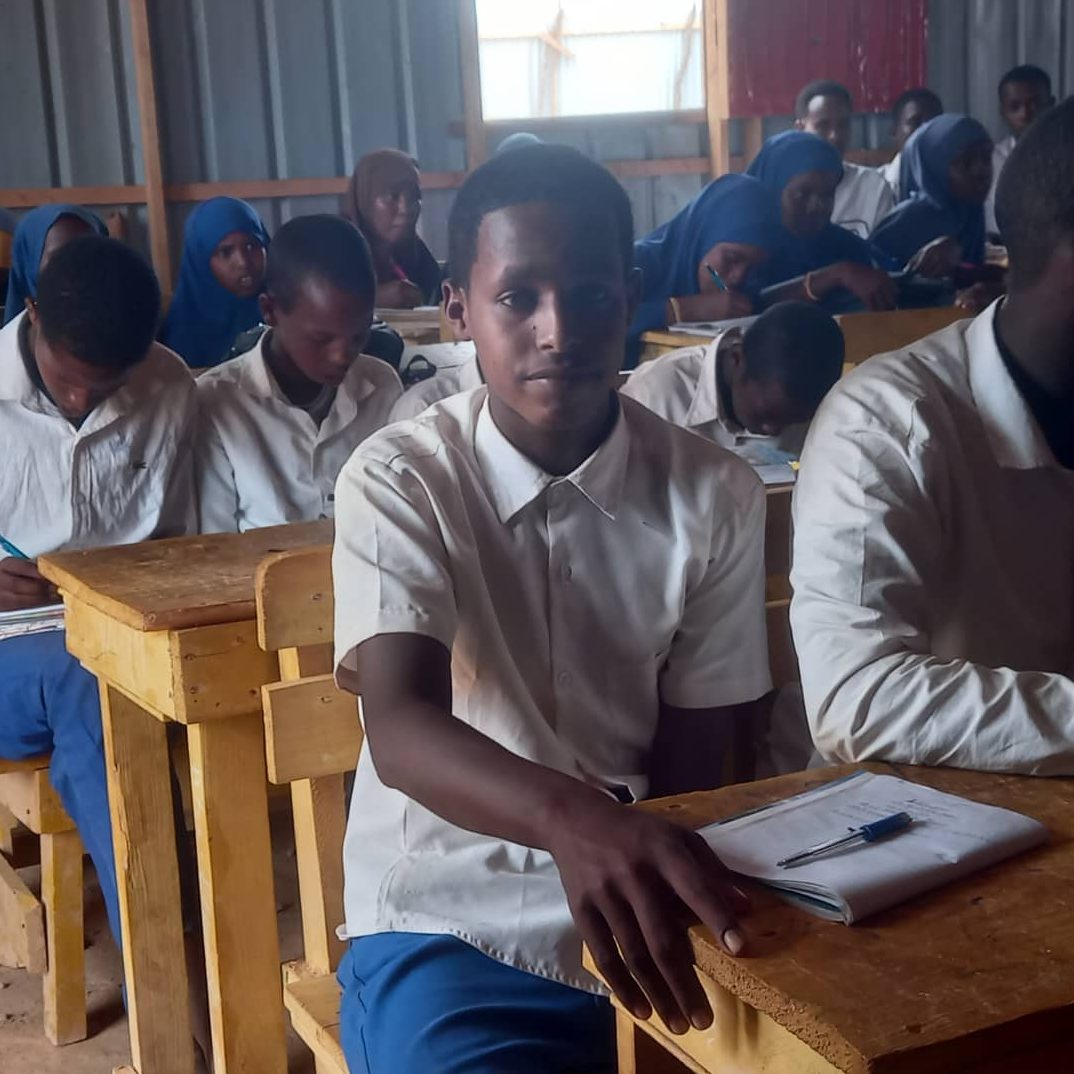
x=23 y=1047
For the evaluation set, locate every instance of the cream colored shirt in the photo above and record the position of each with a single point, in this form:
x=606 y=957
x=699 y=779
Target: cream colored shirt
x=445 y=382
x=862 y=199
x=262 y=460
x=1000 y=152
x=124 y=476
x=681 y=387
x=891 y=173
x=933 y=574
x=572 y=606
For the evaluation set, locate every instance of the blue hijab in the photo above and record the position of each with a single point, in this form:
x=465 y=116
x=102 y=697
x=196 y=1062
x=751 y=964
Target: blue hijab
x=782 y=158
x=931 y=211
x=27 y=246
x=204 y=318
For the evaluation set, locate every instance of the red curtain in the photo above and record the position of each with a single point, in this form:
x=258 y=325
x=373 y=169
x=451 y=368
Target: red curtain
x=875 y=47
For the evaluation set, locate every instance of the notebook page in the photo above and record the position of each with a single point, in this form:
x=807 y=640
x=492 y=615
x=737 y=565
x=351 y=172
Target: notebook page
x=31 y=621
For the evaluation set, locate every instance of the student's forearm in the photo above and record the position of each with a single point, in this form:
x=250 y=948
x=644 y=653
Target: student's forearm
x=470 y=780
x=820 y=282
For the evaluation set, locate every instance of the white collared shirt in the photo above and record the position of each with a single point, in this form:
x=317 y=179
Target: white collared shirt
x=933 y=566
x=262 y=460
x=862 y=199
x=1000 y=152
x=681 y=387
x=444 y=383
x=572 y=607
x=891 y=173
x=124 y=476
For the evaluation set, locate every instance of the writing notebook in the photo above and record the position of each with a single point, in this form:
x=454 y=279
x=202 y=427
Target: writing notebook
x=31 y=621
x=950 y=838
x=709 y=329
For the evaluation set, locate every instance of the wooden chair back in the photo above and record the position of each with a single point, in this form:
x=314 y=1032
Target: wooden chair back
x=867 y=334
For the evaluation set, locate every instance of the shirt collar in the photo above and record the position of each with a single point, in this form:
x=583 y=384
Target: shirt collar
x=1013 y=434
x=706 y=405
x=514 y=481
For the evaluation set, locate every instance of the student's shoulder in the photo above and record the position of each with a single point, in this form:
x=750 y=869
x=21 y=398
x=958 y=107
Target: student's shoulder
x=162 y=370
x=231 y=374
x=378 y=373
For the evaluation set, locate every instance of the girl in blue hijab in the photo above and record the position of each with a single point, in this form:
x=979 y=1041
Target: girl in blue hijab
x=221 y=275
x=949 y=165
x=817 y=261
x=39 y=234
x=731 y=227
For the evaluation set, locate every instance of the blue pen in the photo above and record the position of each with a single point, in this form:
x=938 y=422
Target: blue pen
x=867 y=833
x=11 y=549
x=716 y=278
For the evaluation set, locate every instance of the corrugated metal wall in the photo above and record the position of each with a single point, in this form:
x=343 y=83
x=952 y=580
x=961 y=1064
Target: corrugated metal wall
x=252 y=89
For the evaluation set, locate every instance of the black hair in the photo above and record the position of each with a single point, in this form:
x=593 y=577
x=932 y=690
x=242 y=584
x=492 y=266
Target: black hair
x=917 y=95
x=1034 y=207
x=323 y=246
x=532 y=173
x=1027 y=74
x=99 y=300
x=822 y=87
x=799 y=345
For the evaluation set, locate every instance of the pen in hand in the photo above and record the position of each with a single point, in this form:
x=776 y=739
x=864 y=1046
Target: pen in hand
x=12 y=550
x=716 y=278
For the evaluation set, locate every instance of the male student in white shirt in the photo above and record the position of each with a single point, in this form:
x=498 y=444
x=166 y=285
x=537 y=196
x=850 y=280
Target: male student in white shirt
x=910 y=110
x=863 y=197
x=96 y=424
x=278 y=422
x=1025 y=92
x=934 y=518
x=551 y=602
x=753 y=391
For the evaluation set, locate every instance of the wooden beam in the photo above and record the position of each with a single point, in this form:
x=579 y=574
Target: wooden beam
x=470 y=60
x=649 y=169
x=717 y=85
x=31 y=197
x=151 y=159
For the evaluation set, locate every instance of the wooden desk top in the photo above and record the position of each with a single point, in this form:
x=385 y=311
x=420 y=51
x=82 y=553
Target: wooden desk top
x=946 y=981
x=178 y=583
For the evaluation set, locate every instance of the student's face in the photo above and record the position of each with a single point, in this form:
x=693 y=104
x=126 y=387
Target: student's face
x=761 y=406
x=1020 y=103
x=913 y=114
x=323 y=332
x=734 y=261
x=970 y=173
x=548 y=304
x=807 y=202
x=77 y=387
x=62 y=232
x=238 y=263
x=396 y=211
x=828 y=118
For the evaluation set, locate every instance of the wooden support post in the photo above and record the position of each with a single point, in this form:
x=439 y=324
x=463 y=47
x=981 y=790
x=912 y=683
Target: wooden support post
x=754 y=131
x=65 y=978
x=470 y=59
x=151 y=159
x=717 y=85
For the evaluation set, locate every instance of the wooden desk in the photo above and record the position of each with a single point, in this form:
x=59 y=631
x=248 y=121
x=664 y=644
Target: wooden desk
x=168 y=627
x=974 y=978
x=415 y=326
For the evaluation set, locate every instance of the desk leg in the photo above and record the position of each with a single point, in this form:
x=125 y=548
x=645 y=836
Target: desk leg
x=147 y=873
x=638 y=1053
x=242 y=950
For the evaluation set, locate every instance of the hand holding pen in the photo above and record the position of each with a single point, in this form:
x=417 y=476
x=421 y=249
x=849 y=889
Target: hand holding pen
x=21 y=583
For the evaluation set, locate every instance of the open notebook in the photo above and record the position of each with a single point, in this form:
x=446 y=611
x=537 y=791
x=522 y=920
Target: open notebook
x=950 y=837
x=31 y=621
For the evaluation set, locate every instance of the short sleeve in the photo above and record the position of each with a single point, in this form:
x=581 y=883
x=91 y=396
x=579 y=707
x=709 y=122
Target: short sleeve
x=719 y=655
x=389 y=565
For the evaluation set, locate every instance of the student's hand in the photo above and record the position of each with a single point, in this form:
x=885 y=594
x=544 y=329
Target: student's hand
x=979 y=297
x=875 y=289
x=399 y=295
x=715 y=306
x=938 y=258
x=22 y=586
x=634 y=883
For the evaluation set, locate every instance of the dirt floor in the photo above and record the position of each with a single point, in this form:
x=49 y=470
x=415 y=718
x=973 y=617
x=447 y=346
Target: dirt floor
x=23 y=1047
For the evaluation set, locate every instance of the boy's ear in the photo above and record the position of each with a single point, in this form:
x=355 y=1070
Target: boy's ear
x=31 y=310
x=268 y=308
x=454 y=298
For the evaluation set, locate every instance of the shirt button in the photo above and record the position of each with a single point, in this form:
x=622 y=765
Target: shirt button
x=564 y=678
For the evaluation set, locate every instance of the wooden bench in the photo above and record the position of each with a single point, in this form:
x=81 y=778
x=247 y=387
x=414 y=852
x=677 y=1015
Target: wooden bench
x=312 y=738
x=45 y=936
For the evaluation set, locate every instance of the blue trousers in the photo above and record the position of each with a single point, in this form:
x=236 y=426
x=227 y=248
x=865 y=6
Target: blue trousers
x=50 y=703
x=414 y=1003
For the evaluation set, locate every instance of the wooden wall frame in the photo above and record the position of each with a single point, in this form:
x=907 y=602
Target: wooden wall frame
x=717 y=85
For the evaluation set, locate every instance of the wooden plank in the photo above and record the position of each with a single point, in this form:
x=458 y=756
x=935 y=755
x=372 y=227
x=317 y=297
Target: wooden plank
x=778 y=531
x=22 y=923
x=327 y=186
x=313 y=1004
x=28 y=764
x=8 y=824
x=181 y=582
x=717 y=85
x=31 y=197
x=470 y=65
x=242 y=951
x=295 y=602
x=293 y=711
x=150 y=131
x=65 y=978
x=753 y=129
x=147 y=873
x=30 y=799
x=867 y=334
x=641 y=169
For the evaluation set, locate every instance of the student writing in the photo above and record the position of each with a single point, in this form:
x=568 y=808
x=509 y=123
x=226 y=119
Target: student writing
x=279 y=421
x=552 y=602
